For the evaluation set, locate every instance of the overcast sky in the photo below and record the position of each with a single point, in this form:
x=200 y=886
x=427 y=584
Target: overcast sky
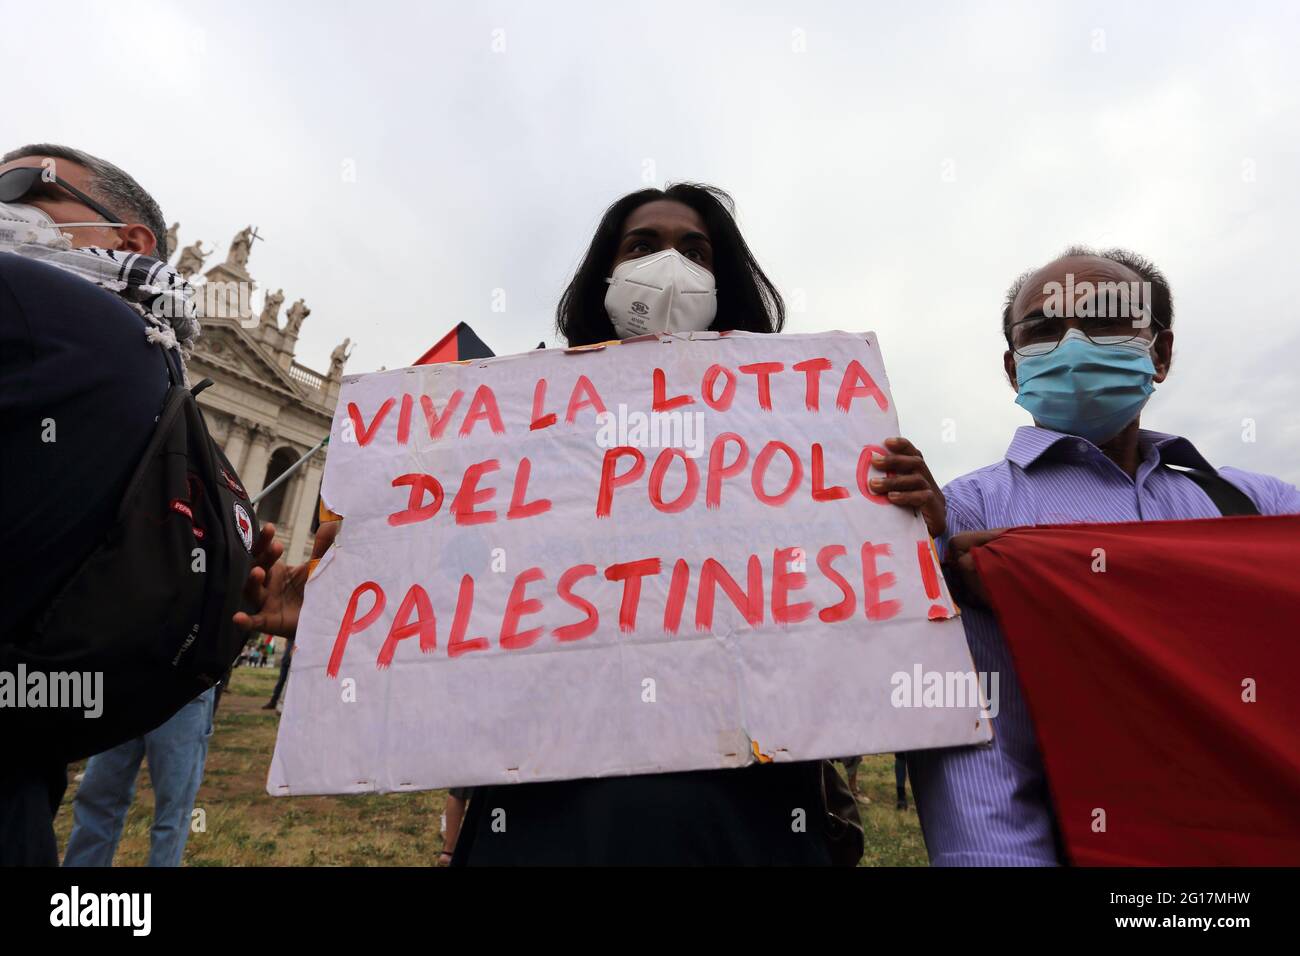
x=895 y=167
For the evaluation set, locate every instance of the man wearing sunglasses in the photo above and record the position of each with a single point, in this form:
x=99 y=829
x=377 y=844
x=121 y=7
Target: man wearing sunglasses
x=1088 y=336
x=63 y=184
x=80 y=389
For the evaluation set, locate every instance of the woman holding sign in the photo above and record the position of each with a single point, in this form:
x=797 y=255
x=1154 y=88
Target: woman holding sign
x=661 y=261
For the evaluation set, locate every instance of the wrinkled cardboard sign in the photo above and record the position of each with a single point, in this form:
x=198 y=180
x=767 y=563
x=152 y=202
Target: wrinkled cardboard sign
x=708 y=586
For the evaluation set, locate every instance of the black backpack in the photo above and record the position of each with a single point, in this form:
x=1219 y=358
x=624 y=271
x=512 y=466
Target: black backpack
x=150 y=608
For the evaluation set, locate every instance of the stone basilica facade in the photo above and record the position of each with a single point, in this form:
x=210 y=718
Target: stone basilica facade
x=264 y=408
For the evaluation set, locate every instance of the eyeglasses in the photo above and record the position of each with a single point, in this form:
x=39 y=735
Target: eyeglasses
x=20 y=181
x=1039 y=334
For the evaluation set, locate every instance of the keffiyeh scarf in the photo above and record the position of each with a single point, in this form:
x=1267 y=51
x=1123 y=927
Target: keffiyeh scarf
x=148 y=285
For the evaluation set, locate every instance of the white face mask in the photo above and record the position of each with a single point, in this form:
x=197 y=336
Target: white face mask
x=20 y=223
x=661 y=292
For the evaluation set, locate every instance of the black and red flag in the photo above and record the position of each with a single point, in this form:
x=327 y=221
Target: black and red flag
x=456 y=346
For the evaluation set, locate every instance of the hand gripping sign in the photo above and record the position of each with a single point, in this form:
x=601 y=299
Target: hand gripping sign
x=654 y=555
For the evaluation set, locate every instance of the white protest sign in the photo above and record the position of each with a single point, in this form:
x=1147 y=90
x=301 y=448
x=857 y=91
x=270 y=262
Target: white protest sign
x=649 y=556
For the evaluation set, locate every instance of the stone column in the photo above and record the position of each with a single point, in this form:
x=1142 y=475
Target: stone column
x=237 y=443
x=289 y=509
x=254 y=471
x=304 y=509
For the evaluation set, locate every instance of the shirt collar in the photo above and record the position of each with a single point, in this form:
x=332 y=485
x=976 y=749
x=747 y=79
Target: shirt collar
x=1032 y=443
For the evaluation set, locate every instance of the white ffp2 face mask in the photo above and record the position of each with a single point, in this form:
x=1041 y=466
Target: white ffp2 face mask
x=21 y=223
x=661 y=292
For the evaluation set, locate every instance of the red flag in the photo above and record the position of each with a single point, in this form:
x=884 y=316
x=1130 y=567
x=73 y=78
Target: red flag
x=1161 y=664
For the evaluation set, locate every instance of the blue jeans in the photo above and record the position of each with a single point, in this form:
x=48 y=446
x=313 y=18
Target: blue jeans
x=177 y=751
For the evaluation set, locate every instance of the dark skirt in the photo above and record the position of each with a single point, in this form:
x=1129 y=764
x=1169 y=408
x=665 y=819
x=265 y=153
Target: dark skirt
x=768 y=814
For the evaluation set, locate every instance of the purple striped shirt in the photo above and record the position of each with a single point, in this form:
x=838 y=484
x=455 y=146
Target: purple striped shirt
x=988 y=806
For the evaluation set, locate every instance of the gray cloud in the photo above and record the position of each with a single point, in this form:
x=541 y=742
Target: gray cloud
x=900 y=170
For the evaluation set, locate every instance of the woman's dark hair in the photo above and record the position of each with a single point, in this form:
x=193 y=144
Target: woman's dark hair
x=747 y=299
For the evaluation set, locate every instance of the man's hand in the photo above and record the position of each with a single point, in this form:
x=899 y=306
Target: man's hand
x=910 y=485
x=958 y=554
x=266 y=551
x=277 y=595
x=273 y=588
x=276 y=589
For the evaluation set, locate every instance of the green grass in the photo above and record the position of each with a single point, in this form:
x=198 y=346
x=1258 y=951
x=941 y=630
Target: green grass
x=893 y=837
x=246 y=827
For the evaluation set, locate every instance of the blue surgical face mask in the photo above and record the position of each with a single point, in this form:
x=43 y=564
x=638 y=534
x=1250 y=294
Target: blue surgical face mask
x=1085 y=388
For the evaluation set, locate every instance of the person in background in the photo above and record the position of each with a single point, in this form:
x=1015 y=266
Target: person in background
x=1085 y=379
x=851 y=765
x=177 y=752
x=283 y=677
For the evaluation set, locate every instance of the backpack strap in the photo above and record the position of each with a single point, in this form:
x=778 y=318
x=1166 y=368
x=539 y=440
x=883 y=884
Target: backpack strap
x=176 y=374
x=1227 y=497
x=173 y=362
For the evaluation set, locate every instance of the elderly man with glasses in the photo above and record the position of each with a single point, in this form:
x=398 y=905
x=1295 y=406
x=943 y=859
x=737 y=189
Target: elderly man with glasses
x=1089 y=336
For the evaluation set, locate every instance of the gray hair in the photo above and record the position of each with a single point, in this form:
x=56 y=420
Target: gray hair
x=111 y=185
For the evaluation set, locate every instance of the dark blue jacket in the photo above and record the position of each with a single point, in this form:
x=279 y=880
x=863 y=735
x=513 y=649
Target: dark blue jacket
x=80 y=392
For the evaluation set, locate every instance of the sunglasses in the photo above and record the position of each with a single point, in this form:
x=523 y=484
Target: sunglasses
x=20 y=181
